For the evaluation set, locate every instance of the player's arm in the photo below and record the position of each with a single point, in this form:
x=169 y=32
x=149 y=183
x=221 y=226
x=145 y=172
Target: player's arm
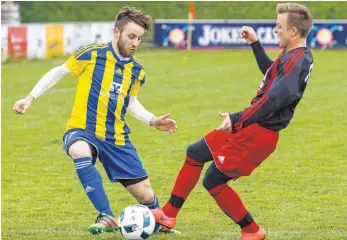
x=75 y=65
x=263 y=60
x=139 y=112
x=285 y=90
x=163 y=123
x=51 y=78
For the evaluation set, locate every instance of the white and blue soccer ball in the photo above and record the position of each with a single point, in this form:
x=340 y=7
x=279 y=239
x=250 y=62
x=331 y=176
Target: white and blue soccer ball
x=136 y=222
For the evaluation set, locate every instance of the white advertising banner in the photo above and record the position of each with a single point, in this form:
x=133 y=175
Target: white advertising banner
x=69 y=35
x=82 y=35
x=3 y=43
x=36 y=41
x=101 y=32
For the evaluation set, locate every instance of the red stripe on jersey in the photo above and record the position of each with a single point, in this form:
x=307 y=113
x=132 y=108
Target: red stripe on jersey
x=296 y=60
x=272 y=68
x=273 y=75
x=263 y=99
x=254 y=108
x=290 y=63
x=289 y=59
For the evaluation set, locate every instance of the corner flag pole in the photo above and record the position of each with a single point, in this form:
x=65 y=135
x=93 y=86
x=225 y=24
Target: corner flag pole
x=191 y=17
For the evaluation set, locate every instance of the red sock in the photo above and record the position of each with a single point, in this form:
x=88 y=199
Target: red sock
x=230 y=203
x=185 y=182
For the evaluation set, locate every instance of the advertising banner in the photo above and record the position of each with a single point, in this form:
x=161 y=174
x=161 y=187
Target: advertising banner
x=36 y=41
x=3 y=43
x=69 y=34
x=17 y=42
x=102 y=32
x=226 y=33
x=54 y=41
x=82 y=35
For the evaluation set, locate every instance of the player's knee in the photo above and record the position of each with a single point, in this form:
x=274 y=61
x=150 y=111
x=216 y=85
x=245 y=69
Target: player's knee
x=213 y=179
x=79 y=149
x=191 y=150
x=146 y=196
x=199 y=151
x=146 y=199
x=208 y=182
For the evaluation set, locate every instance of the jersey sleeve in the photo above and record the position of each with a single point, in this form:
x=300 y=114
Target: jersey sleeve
x=138 y=83
x=263 y=60
x=285 y=90
x=79 y=60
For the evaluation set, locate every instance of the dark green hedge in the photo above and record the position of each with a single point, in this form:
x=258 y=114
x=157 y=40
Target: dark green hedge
x=106 y=11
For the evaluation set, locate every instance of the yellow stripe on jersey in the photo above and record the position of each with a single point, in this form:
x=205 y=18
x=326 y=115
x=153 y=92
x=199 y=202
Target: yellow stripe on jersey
x=136 y=87
x=77 y=66
x=89 y=48
x=79 y=111
x=119 y=124
x=104 y=95
x=82 y=49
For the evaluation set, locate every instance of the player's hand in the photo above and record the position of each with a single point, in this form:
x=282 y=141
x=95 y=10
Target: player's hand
x=226 y=124
x=164 y=123
x=21 y=106
x=248 y=34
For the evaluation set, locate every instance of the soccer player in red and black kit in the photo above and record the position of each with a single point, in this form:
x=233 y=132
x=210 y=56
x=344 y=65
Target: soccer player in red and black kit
x=246 y=138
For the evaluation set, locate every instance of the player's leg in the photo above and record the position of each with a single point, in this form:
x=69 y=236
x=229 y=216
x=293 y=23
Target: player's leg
x=229 y=201
x=83 y=151
x=243 y=152
x=141 y=190
x=198 y=154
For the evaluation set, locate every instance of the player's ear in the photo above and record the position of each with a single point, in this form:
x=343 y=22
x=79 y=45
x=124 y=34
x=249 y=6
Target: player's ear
x=294 y=31
x=116 y=32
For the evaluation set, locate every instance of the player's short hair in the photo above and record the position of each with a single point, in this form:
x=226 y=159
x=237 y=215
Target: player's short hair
x=299 y=16
x=131 y=14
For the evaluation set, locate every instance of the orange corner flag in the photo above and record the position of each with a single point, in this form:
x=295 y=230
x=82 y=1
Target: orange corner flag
x=192 y=13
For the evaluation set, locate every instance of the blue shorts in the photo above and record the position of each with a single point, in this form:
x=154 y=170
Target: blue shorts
x=120 y=162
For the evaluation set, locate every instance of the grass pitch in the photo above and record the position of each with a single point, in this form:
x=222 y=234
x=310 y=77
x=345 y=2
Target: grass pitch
x=297 y=193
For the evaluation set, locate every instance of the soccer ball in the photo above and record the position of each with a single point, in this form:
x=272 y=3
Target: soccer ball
x=136 y=222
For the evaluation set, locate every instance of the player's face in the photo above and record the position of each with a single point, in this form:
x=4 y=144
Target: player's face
x=129 y=39
x=282 y=31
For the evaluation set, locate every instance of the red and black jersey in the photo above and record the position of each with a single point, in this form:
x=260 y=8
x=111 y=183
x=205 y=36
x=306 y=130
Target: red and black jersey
x=280 y=90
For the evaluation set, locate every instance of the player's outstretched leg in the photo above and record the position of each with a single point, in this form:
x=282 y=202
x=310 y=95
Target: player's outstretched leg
x=197 y=154
x=230 y=203
x=91 y=181
x=103 y=223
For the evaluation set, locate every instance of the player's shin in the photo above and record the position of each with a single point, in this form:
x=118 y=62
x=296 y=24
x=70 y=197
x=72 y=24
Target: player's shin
x=91 y=180
x=185 y=182
x=230 y=203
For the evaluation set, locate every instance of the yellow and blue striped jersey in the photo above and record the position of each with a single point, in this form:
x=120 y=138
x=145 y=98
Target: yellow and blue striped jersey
x=105 y=84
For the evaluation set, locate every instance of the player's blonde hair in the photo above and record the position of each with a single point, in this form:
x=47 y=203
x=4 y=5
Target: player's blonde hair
x=131 y=14
x=299 y=16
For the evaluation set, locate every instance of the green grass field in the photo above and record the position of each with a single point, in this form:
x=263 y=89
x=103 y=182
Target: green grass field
x=298 y=193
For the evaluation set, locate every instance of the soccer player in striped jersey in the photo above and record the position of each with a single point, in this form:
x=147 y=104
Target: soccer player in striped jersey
x=246 y=138
x=109 y=79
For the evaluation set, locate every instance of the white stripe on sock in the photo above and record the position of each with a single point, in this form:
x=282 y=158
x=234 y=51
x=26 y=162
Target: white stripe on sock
x=83 y=163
